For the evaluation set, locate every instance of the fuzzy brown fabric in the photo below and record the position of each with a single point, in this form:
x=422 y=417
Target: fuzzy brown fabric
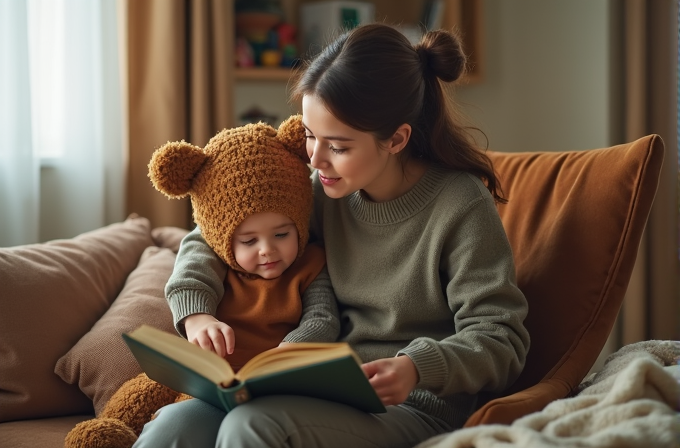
x=241 y=171
x=100 y=433
x=124 y=416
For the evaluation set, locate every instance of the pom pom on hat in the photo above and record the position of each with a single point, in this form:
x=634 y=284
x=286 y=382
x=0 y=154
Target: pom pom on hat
x=173 y=167
x=240 y=172
x=293 y=135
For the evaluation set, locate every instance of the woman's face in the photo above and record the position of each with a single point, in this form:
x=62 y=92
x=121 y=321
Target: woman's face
x=347 y=160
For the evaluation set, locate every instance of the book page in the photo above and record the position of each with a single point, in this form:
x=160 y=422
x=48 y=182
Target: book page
x=294 y=355
x=204 y=362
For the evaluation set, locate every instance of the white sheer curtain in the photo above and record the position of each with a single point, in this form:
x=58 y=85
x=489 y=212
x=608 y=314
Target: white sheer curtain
x=61 y=144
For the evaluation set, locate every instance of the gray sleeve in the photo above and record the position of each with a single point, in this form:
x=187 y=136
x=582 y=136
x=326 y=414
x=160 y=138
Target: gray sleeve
x=489 y=347
x=197 y=281
x=319 y=321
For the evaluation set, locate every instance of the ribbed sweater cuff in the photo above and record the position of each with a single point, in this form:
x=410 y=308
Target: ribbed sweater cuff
x=185 y=302
x=316 y=333
x=432 y=370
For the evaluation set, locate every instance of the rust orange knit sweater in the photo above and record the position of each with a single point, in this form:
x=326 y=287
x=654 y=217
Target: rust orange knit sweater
x=262 y=312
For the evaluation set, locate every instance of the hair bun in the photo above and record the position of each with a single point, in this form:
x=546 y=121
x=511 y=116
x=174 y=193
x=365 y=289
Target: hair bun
x=441 y=52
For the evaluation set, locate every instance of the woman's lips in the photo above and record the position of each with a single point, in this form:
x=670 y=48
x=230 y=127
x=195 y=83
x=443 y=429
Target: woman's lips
x=328 y=180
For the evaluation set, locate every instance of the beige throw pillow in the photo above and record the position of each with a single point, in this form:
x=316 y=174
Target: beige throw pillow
x=51 y=294
x=168 y=236
x=101 y=361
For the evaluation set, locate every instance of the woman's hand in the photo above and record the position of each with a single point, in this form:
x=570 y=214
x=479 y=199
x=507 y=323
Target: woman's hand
x=392 y=378
x=210 y=334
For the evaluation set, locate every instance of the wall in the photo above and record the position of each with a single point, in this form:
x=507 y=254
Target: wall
x=546 y=77
x=270 y=96
x=546 y=82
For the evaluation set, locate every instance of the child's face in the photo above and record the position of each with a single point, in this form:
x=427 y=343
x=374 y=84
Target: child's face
x=347 y=160
x=265 y=244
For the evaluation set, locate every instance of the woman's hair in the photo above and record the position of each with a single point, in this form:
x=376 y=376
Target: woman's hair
x=374 y=80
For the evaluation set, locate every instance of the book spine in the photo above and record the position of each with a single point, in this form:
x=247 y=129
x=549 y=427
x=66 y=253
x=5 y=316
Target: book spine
x=234 y=396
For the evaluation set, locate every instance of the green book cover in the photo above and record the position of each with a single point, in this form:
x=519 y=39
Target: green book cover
x=173 y=361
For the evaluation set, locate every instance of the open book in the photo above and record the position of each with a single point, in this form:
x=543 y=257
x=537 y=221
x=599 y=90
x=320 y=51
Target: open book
x=331 y=371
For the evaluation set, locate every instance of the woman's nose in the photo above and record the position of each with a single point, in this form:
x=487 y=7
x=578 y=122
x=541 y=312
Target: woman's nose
x=315 y=155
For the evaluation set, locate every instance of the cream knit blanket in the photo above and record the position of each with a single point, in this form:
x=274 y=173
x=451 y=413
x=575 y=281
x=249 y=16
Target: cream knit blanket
x=634 y=401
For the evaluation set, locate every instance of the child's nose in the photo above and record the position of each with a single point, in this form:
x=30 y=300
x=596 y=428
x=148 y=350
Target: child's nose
x=267 y=248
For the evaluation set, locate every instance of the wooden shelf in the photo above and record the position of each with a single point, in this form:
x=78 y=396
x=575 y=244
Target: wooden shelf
x=262 y=74
x=463 y=15
x=278 y=74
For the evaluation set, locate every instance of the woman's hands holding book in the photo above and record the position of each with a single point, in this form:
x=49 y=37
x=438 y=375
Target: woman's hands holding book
x=392 y=378
x=209 y=333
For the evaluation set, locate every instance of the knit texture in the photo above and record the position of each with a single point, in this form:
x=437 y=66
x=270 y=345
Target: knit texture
x=429 y=275
x=241 y=171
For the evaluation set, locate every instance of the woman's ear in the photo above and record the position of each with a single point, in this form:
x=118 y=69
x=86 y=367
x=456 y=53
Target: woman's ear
x=399 y=139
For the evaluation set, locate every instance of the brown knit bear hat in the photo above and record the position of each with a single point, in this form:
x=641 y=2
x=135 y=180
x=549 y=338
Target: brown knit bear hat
x=241 y=171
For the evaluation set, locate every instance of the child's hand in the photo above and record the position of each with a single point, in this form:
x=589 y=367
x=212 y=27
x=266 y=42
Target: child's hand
x=392 y=378
x=209 y=333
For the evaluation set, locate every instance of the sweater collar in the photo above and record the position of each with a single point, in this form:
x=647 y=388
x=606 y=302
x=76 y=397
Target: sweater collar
x=403 y=207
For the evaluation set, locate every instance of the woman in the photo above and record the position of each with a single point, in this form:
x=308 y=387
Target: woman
x=416 y=252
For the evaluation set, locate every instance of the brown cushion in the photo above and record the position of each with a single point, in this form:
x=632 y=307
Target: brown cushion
x=40 y=433
x=101 y=362
x=169 y=237
x=50 y=295
x=574 y=220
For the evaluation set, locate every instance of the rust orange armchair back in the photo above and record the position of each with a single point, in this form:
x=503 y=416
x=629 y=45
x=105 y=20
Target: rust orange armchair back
x=575 y=221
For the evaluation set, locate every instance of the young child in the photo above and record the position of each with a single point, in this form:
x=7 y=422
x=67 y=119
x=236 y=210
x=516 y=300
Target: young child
x=405 y=205
x=251 y=194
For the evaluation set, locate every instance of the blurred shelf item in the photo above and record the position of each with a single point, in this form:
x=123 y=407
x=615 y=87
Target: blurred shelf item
x=263 y=73
x=464 y=16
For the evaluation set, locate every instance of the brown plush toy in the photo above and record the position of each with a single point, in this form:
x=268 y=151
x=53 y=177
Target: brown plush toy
x=217 y=179
x=124 y=415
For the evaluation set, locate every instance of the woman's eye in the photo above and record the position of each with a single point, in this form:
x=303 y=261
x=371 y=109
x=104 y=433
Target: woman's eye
x=309 y=137
x=249 y=242
x=336 y=150
x=281 y=235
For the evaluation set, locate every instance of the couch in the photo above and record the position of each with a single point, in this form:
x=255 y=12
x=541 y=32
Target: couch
x=574 y=220
x=64 y=305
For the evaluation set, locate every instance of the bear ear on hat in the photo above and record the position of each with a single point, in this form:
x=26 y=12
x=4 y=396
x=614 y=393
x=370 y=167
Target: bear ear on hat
x=292 y=134
x=173 y=167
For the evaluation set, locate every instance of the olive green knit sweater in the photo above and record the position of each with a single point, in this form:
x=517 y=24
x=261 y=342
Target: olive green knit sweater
x=429 y=275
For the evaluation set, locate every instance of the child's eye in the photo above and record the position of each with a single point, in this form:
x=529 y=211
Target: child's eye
x=309 y=137
x=249 y=242
x=281 y=235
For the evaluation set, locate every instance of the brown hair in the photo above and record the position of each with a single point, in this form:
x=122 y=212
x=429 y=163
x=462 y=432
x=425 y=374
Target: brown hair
x=374 y=80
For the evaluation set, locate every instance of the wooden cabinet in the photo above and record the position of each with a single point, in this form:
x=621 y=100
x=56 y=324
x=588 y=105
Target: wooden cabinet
x=463 y=15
